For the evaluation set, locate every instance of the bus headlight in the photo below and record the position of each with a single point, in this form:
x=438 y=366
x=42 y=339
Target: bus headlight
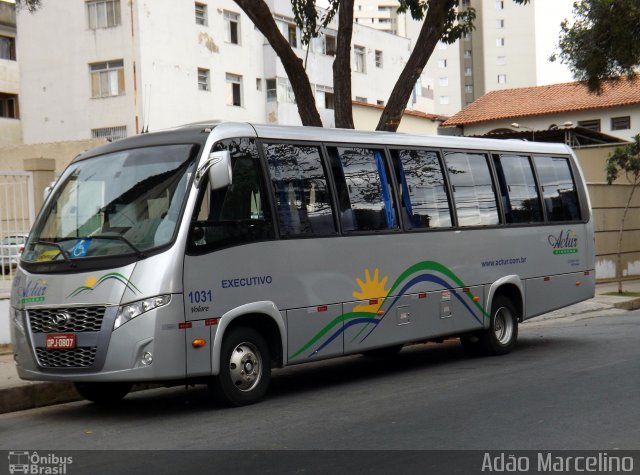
x=16 y=318
x=133 y=309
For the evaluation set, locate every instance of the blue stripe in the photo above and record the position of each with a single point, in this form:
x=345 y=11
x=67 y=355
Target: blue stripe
x=417 y=280
x=350 y=323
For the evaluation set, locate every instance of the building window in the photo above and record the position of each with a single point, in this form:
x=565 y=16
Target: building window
x=499 y=5
x=232 y=26
x=444 y=100
x=378 y=58
x=359 y=59
x=501 y=61
x=272 y=91
x=107 y=79
x=329 y=44
x=380 y=102
x=442 y=63
x=444 y=81
x=103 y=13
x=324 y=97
x=285 y=91
x=500 y=24
x=9 y=106
x=258 y=84
x=468 y=71
x=593 y=124
x=468 y=88
x=234 y=90
x=467 y=37
x=361 y=99
x=203 y=79
x=621 y=123
x=499 y=42
x=502 y=78
x=292 y=35
x=7 y=48
x=110 y=133
x=201 y=14
x=467 y=53
x=324 y=44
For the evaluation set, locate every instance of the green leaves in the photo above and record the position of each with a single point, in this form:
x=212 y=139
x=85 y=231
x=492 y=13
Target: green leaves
x=625 y=159
x=602 y=42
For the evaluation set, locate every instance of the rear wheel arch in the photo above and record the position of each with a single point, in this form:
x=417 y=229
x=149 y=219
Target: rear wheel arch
x=510 y=287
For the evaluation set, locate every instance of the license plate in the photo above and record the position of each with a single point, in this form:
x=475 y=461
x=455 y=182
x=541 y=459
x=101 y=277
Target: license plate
x=61 y=341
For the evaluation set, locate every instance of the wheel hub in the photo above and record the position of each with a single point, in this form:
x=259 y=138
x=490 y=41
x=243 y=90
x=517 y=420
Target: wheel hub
x=245 y=366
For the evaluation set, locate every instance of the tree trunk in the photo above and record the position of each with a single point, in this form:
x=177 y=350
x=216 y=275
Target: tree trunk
x=621 y=234
x=261 y=16
x=430 y=34
x=343 y=112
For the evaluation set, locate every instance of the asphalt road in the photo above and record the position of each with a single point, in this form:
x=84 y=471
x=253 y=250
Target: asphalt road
x=570 y=384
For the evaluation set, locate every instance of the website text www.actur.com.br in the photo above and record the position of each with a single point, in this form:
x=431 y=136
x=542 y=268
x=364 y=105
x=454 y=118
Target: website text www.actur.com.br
x=504 y=262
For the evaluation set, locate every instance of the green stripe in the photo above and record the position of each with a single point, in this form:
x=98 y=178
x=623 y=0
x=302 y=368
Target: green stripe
x=330 y=325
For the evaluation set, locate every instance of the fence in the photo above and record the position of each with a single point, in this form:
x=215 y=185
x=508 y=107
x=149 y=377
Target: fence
x=17 y=212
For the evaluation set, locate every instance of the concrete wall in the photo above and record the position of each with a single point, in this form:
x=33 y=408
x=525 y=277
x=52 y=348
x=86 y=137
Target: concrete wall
x=5 y=335
x=608 y=202
x=12 y=156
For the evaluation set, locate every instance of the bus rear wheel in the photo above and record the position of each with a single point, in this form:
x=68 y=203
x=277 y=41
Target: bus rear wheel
x=103 y=393
x=500 y=338
x=245 y=368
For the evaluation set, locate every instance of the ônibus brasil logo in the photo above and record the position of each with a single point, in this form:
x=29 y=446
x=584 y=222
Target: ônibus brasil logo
x=564 y=243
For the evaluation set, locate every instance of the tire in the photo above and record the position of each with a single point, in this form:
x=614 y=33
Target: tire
x=245 y=368
x=501 y=336
x=103 y=393
x=385 y=352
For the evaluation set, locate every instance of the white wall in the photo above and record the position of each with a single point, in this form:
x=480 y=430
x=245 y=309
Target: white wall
x=543 y=122
x=55 y=49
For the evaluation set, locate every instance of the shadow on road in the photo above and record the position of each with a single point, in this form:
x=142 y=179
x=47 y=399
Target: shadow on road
x=440 y=360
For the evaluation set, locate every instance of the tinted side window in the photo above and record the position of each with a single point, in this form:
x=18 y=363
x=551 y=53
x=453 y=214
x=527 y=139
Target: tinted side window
x=472 y=188
x=520 y=198
x=365 y=198
x=558 y=188
x=238 y=213
x=300 y=187
x=423 y=195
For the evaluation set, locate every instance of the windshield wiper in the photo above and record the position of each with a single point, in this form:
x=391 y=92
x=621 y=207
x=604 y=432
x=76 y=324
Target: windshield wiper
x=64 y=253
x=118 y=237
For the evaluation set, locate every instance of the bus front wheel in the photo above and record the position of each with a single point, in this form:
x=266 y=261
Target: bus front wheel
x=103 y=393
x=245 y=368
x=500 y=338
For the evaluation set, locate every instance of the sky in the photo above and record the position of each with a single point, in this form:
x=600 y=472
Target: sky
x=549 y=15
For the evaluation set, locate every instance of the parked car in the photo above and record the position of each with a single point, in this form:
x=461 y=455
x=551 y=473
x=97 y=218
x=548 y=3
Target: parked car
x=11 y=247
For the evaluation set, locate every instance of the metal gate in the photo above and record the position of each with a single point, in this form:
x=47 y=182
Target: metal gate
x=17 y=212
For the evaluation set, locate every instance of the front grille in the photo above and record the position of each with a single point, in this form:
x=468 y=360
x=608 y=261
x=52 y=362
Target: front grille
x=71 y=319
x=76 y=358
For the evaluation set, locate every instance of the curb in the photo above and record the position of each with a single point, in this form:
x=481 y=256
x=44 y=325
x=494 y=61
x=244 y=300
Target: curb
x=36 y=395
x=633 y=304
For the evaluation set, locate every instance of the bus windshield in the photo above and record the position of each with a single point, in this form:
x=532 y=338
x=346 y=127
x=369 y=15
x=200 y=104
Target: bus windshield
x=126 y=202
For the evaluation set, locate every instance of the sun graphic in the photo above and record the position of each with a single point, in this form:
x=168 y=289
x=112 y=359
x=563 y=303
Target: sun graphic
x=371 y=289
x=90 y=282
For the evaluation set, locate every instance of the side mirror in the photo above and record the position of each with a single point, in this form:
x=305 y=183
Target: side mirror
x=218 y=168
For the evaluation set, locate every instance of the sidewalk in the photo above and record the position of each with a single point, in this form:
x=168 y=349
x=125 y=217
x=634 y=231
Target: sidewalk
x=17 y=395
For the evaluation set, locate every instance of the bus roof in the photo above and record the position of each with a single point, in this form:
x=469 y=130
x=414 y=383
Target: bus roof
x=200 y=131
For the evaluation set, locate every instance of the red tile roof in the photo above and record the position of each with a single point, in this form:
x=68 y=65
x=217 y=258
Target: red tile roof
x=544 y=100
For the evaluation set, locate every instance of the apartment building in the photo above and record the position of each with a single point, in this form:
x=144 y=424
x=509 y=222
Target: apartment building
x=9 y=77
x=121 y=67
x=508 y=48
